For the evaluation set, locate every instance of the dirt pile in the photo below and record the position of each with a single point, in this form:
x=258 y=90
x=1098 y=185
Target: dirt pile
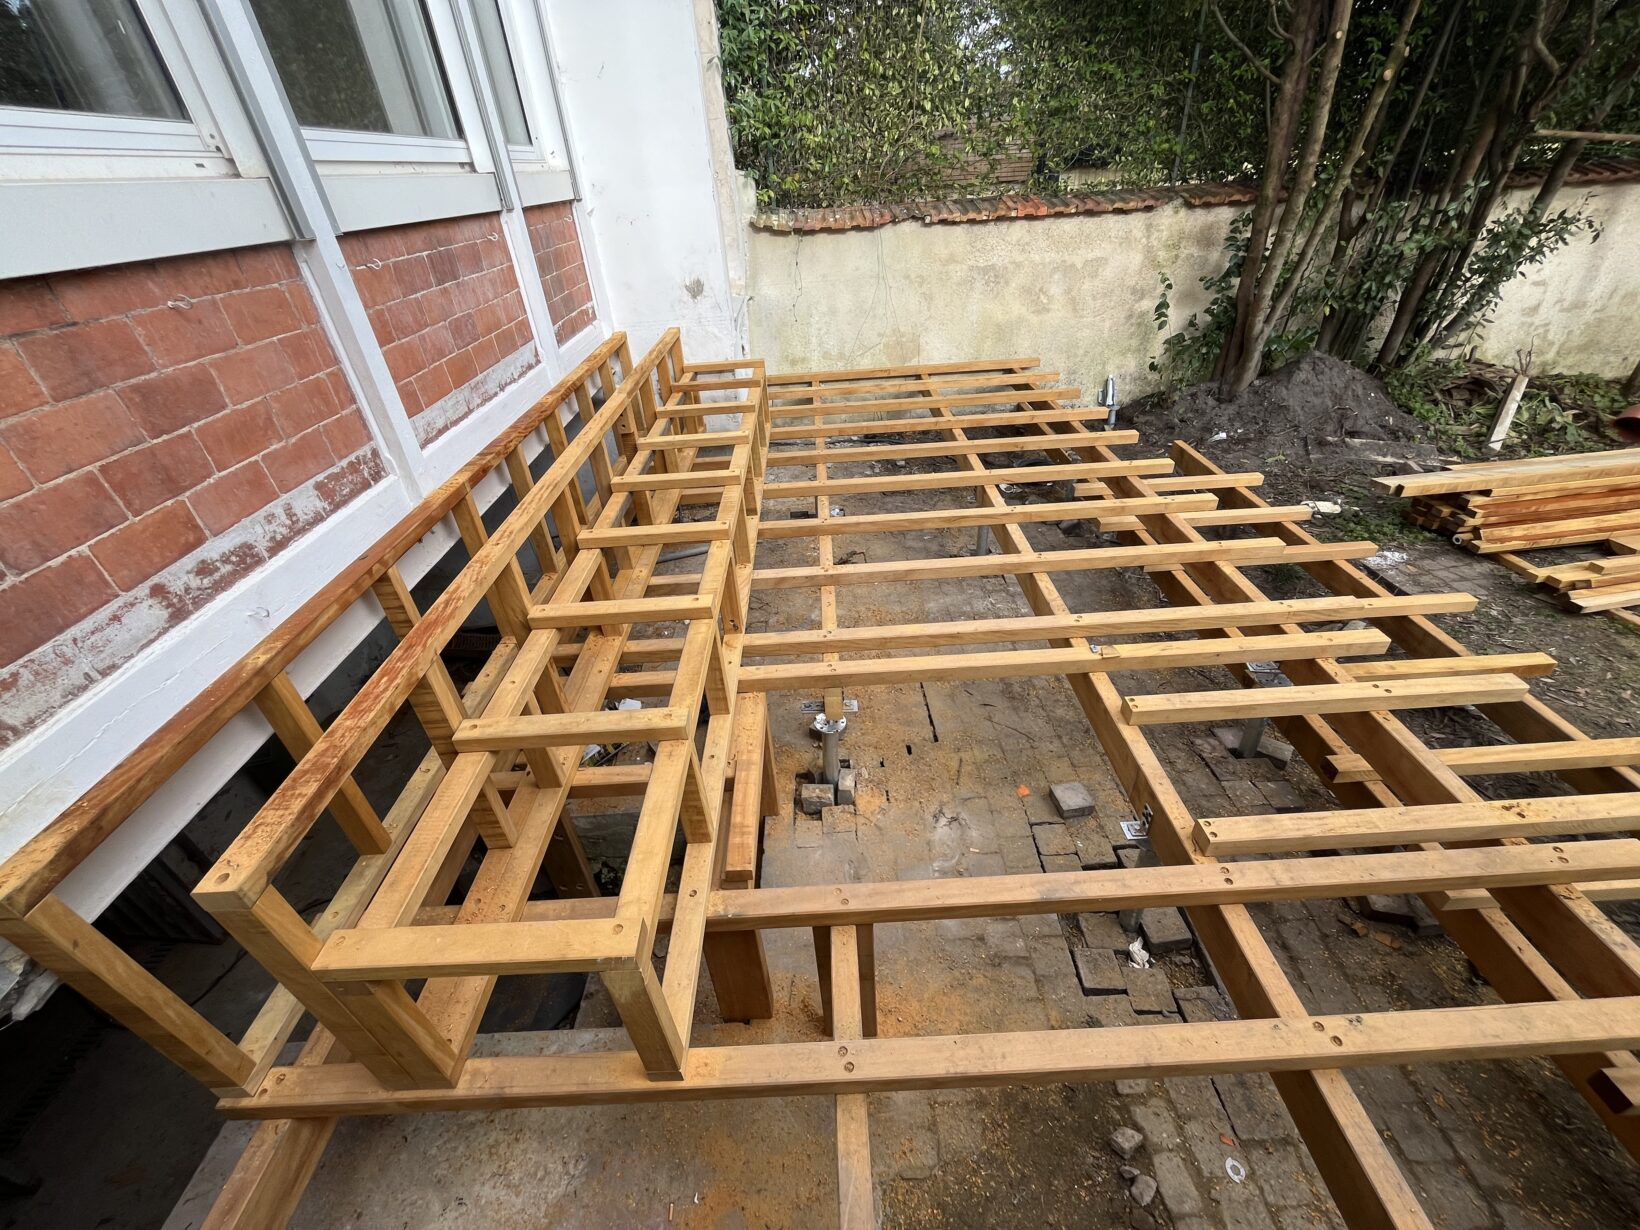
x=1317 y=414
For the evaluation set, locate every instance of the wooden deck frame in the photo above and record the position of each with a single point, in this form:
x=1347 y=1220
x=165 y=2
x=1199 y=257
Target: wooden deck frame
x=506 y=759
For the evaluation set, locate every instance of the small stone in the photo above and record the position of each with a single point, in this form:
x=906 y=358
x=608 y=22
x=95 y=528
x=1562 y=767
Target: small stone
x=1099 y=972
x=1126 y=1142
x=1128 y=1173
x=847 y=779
x=1149 y=990
x=1165 y=929
x=1143 y=1190
x=1054 y=839
x=814 y=797
x=1072 y=800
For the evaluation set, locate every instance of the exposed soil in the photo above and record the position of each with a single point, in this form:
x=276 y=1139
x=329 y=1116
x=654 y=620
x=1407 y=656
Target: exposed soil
x=1318 y=429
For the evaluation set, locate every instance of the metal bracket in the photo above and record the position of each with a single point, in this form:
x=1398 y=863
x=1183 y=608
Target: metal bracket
x=1138 y=828
x=819 y=706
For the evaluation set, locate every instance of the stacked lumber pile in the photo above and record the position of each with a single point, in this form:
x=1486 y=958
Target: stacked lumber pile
x=1599 y=584
x=1502 y=508
x=1498 y=506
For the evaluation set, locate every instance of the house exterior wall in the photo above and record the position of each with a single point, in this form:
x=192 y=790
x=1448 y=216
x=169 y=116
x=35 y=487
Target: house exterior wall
x=166 y=428
x=560 y=261
x=445 y=306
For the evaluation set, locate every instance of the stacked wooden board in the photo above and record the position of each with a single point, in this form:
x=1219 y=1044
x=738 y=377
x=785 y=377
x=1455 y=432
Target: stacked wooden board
x=1505 y=508
x=1492 y=506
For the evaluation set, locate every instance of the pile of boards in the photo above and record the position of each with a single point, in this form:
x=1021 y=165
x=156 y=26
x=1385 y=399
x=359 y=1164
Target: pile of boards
x=1502 y=508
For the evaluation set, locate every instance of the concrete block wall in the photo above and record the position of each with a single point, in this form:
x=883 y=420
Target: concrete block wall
x=447 y=311
x=165 y=429
x=562 y=266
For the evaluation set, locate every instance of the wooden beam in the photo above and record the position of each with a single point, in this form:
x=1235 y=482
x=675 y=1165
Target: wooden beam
x=1437 y=822
x=1321 y=698
x=1044 y=1057
x=1016 y=663
x=1101 y=624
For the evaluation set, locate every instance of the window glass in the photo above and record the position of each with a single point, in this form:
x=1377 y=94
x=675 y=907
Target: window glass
x=492 y=37
x=83 y=55
x=362 y=65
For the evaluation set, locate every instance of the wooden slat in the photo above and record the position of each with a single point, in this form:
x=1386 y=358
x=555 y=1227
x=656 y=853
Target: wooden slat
x=1054 y=1056
x=1399 y=826
x=1322 y=698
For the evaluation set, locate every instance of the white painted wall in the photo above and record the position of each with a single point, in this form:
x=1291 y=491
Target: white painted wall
x=634 y=98
x=1079 y=292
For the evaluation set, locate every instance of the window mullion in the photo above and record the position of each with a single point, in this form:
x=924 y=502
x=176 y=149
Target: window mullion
x=317 y=250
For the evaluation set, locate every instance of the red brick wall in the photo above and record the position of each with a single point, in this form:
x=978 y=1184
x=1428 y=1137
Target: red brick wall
x=562 y=265
x=445 y=306
x=146 y=412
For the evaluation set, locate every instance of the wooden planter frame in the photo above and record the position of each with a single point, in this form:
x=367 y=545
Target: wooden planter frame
x=664 y=440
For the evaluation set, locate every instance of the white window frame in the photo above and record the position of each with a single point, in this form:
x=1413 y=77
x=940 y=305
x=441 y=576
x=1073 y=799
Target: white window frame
x=44 y=143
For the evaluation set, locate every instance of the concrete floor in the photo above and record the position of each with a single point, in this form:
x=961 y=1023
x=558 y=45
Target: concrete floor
x=956 y=780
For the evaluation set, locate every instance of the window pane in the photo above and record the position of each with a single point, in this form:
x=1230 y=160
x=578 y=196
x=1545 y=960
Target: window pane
x=82 y=55
x=363 y=65
x=492 y=38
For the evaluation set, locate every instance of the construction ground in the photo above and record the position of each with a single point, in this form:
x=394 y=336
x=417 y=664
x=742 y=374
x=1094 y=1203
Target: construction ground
x=952 y=780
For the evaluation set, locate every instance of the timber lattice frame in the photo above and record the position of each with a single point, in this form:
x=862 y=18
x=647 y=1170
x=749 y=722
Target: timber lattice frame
x=662 y=441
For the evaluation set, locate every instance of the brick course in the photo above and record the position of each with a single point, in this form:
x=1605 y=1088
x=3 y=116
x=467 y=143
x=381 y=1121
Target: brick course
x=562 y=266
x=146 y=410
x=445 y=306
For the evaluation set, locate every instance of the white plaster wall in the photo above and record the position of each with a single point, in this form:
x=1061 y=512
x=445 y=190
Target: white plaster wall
x=635 y=101
x=1079 y=292
x=1579 y=311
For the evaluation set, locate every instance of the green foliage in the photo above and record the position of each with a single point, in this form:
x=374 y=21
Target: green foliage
x=835 y=102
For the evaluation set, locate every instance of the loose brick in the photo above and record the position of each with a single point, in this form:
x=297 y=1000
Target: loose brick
x=1149 y=990
x=150 y=544
x=293 y=463
x=238 y=435
x=173 y=399
x=261 y=313
x=52 y=521
x=178 y=335
x=1071 y=800
x=1099 y=972
x=147 y=477
x=1103 y=931
x=79 y=359
x=229 y=498
x=1164 y=929
x=1053 y=839
x=20 y=392
x=68 y=437
x=49 y=602
x=254 y=371
x=1061 y=862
